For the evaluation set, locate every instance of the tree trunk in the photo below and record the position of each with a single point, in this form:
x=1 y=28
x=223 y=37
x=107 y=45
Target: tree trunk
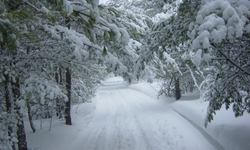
x=68 y=87
x=21 y=136
x=7 y=94
x=8 y=105
x=169 y=87
x=59 y=102
x=57 y=99
x=191 y=87
x=22 y=143
x=177 y=88
x=30 y=118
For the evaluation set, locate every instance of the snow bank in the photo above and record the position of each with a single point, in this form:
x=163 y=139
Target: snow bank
x=146 y=88
x=60 y=135
x=232 y=133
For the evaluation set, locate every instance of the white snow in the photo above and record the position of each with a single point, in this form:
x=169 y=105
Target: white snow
x=232 y=133
x=45 y=10
x=68 y=7
x=77 y=40
x=124 y=116
x=219 y=20
x=228 y=13
x=196 y=58
x=206 y=43
x=168 y=60
x=199 y=19
x=116 y=31
x=125 y=36
x=218 y=35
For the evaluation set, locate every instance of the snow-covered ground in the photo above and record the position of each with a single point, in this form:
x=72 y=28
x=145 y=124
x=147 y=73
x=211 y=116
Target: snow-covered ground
x=232 y=133
x=130 y=117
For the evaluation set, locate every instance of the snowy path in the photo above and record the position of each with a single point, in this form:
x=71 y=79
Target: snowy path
x=127 y=119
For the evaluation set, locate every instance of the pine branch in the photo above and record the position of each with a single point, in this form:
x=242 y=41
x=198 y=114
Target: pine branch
x=235 y=76
x=233 y=63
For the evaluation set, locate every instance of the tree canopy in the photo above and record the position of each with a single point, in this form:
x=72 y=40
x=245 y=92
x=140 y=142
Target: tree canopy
x=54 y=53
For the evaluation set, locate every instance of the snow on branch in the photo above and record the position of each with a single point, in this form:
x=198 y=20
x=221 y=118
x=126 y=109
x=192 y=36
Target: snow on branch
x=76 y=39
x=194 y=79
x=218 y=21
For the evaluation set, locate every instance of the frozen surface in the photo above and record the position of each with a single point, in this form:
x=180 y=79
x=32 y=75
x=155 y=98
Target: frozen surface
x=130 y=117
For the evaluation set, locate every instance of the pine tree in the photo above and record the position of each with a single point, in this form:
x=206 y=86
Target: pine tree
x=224 y=54
x=169 y=37
x=215 y=48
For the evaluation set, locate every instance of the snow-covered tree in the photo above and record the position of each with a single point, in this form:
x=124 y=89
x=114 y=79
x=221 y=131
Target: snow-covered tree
x=136 y=26
x=220 y=38
x=53 y=53
x=12 y=130
x=169 y=37
x=29 y=56
x=209 y=41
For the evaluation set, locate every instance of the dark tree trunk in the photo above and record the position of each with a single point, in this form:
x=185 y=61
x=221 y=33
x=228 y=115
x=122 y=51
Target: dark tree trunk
x=177 y=88
x=169 y=87
x=68 y=87
x=191 y=87
x=57 y=99
x=8 y=104
x=30 y=118
x=59 y=102
x=21 y=136
x=22 y=143
x=60 y=75
x=7 y=93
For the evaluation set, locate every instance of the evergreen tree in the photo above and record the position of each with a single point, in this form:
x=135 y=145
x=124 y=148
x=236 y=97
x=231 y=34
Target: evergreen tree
x=40 y=41
x=220 y=40
x=213 y=39
x=168 y=38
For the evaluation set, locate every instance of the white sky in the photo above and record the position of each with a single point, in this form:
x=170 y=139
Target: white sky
x=102 y=1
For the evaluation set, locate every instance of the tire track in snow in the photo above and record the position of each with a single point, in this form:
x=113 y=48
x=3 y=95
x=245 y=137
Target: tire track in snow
x=118 y=113
x=120 y=130
x=130 y=120
x=164 y=137
x=135 y=123
x=156 y=131
x=130 y=124
x=156 y=135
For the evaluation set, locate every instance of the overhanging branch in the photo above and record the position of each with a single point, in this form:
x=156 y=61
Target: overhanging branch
x=233 y=63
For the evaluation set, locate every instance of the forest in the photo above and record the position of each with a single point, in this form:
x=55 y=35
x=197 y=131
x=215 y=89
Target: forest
x=55 y=53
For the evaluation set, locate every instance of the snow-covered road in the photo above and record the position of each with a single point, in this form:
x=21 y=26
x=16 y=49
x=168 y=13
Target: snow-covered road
x=128 y=119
